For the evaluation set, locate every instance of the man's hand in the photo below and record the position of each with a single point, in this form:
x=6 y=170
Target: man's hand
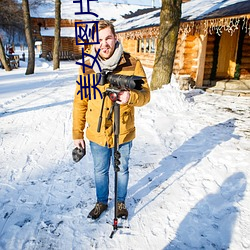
x=123 y=97
x=79 y=143
x=78 y=152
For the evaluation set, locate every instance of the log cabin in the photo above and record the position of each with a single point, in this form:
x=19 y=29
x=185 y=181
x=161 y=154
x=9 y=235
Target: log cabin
x=43 y=30
x=213 y=41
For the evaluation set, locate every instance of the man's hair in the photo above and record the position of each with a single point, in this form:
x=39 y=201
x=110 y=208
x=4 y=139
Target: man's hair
x=103 y=24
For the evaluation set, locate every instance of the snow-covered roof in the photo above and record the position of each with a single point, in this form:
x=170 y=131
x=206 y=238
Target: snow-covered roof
x=65 y=31
x=191 y=11
x=105 y=10
x=145 y=20
x=205 y=9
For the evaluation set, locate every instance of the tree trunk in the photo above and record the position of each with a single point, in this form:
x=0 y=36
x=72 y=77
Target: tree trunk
x=3 y=57
x=29 y=38
x=56 y=59
x=168 y=34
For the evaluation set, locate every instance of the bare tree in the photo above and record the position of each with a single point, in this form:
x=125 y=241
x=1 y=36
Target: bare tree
x=3 y=57
x=11 y=16
x=11 y=24
x=169 y=27
x=28 y=33
x=56 y=59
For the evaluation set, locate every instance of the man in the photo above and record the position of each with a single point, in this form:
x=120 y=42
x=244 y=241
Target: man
x=111 y=57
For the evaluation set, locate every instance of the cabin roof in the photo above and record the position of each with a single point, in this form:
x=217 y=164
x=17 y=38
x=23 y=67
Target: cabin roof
x=208 y=9
x=194 y=10
x=65 y=31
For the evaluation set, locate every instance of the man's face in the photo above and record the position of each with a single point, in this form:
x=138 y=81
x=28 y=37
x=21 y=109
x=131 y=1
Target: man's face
x=107 y=43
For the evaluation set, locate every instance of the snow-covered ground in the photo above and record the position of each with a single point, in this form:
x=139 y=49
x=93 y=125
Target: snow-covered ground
x=189 y=170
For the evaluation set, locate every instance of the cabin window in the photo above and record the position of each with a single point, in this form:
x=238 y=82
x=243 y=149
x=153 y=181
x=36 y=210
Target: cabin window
x=146 y=45
x=152 y=45
x=140 y=45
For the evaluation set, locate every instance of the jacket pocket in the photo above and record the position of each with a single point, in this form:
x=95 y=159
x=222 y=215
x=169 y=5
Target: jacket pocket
x=127 y=120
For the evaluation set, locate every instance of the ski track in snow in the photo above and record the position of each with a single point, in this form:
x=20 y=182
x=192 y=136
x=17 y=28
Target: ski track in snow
x=180 y=180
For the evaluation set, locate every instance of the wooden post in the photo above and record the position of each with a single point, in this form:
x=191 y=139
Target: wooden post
x=201 y=60
x=140 y=42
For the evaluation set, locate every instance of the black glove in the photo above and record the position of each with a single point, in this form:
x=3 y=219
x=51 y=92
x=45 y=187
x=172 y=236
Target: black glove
x=78 y=153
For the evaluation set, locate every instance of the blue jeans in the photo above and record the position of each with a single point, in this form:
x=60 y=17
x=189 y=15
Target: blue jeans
x=102 y=157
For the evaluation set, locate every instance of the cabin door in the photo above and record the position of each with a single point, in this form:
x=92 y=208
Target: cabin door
x=227 y=55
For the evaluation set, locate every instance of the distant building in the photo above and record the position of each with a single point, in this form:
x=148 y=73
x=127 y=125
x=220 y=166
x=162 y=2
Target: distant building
x=43 y=32
x=43 y=23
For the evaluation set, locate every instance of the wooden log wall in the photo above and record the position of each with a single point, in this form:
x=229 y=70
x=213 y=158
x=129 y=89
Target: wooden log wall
x=190 y=56
x=131 y=46
x=67 y=44
x=209 y=57
x=178 y=61
x=245 y=60
x=186 y=55
x=146 y=59
x=47 y=45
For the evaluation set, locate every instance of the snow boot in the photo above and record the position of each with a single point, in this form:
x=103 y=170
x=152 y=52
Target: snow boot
x=122 y=211
x=97 y=210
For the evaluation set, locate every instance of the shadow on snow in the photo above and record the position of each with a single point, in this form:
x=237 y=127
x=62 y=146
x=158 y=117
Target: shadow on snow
x=23 y=110
x=190 y=153
x=209 y=225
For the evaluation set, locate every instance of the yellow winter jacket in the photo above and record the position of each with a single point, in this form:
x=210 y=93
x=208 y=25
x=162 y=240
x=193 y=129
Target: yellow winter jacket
x=87 y=109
